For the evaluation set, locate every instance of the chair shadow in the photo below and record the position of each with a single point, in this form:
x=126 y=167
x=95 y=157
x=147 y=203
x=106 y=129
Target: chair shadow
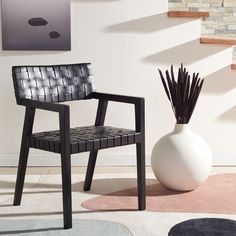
x=106 y=186
x=186 y=53
x=101 y=187
x=6 y=205
x=121 y=187
x=147 y=24
x=30 y=231
x=30 y=192
x=11 y=185
x=8 y=215
x=109 y=186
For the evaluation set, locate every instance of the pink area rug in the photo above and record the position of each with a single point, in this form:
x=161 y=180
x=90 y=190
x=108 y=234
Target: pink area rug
x=216 y=195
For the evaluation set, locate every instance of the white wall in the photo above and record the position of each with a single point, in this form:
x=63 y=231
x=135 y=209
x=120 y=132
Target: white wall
x=126 y=40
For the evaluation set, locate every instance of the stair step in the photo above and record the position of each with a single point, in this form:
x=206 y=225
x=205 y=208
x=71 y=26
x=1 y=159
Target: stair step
x=190 y=14
x=233 y=66
x=194 y=55
x=215 y=40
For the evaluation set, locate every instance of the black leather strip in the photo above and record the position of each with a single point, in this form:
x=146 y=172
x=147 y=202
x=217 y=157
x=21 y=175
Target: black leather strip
x=84 y=139
x=54 y=83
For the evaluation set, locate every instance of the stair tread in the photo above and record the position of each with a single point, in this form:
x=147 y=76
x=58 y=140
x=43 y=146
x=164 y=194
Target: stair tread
x=218 y=40
x=191 y=14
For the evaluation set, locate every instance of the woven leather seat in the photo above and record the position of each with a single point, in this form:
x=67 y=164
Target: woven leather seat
x=84 y=139
x=45 y=87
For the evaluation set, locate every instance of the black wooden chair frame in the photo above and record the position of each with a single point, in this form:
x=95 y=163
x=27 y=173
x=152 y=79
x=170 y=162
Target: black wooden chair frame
x=65 y=150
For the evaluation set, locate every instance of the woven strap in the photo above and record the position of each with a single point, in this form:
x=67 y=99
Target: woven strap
x=54 y=83
x=84 y=139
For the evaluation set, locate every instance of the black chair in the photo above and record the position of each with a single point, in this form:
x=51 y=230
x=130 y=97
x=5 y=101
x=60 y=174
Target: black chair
x=42 y=87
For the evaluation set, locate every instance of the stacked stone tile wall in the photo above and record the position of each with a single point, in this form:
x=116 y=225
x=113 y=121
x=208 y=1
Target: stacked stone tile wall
x=222 y=20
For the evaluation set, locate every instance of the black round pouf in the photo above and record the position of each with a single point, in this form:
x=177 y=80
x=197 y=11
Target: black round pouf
x=204 y=227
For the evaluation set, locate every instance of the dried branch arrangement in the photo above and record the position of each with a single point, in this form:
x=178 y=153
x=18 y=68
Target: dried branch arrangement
x=183 y=93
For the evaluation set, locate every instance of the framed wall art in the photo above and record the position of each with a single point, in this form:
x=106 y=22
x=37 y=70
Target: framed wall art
x=36 y=25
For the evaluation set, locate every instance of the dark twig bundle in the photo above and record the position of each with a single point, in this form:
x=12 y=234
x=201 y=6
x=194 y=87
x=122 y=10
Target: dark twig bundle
x=183 y=93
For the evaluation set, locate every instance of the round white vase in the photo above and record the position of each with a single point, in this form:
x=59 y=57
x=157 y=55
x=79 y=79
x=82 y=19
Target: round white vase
x=181 y=160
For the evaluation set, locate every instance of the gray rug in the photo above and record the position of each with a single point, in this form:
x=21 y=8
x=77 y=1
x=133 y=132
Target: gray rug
x=55 y=227
x=205 y=227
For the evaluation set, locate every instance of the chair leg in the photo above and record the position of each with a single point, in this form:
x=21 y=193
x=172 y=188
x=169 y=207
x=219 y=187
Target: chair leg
x=90 y=170
x=24 y=152
x=21 y=173
x=66 y=189
x=140 y=148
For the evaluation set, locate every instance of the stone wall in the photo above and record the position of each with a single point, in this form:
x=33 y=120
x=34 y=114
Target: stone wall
x=222 y=20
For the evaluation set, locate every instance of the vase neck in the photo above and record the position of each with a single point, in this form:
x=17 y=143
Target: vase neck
x=180 y=128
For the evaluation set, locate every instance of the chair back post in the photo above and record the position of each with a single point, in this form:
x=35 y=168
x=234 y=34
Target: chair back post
x=15 y=86
x=140 y=116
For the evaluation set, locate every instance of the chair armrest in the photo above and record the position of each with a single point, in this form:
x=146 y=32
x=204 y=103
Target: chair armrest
x=116 y=98
x=64 y=118
x=138 y=102
x=49 y=106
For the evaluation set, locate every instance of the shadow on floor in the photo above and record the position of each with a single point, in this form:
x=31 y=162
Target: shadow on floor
x=30 y=231
x=103 y=187
x=121 y=187
x=31 y=192
x=6 y=205
x=109 y=186
x=11 y=185
x=99 y=186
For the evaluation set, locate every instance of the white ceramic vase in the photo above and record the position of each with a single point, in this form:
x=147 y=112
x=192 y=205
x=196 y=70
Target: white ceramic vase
x=181 y=160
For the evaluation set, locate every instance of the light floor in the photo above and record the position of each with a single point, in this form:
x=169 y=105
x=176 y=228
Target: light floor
x=42 y=198
x=99 y=170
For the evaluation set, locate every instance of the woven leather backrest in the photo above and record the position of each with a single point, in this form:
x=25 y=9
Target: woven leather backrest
x=56 y=83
